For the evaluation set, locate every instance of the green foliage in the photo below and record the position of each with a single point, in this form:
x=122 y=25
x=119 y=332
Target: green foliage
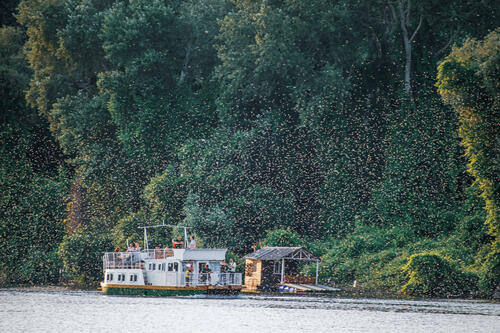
x=33 y=192
x=14 y=75
x=81 y=254
x=41 y=266
x=430 y=274
x=468 y=81
x=251 y=120
x=353 y=257
x=165 y=195
x=282 y=237
x=31 y=225
x=7 y=9
x=127 y=230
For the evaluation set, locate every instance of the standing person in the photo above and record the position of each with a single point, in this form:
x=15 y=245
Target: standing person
x=223 y=267
x=177 y=243
x=158 y=254
x=130 y=255
x=168 y=252
x=192 y=244
x=205 y=274
x=131 y=248
x=232 y=265
x=189 y=271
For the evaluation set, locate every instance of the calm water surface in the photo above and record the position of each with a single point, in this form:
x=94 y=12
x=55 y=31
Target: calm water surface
x=84 y=311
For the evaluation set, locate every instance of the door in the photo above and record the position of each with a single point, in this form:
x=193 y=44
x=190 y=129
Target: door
x=173 y=273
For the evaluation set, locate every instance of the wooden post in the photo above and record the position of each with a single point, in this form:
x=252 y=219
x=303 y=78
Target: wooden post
x=317 y=265
x=282 y=270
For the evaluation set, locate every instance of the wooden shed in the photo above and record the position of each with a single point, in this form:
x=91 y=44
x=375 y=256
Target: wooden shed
x=269 y=267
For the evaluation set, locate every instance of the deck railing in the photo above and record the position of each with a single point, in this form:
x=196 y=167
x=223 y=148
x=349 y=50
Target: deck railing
x=127 y=260
x=212 y=279
x=131 y=260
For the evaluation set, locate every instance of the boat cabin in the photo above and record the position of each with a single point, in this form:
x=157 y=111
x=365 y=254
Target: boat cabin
x=269 y=267
x=172 y=267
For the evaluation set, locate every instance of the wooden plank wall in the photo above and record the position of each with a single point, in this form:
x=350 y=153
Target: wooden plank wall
x=253 y=274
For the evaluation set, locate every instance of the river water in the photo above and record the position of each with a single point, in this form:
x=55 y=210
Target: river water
x=87 y=311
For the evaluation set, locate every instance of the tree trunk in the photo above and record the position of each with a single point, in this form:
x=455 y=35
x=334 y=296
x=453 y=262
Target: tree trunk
x=404 y=19
x=185 y=65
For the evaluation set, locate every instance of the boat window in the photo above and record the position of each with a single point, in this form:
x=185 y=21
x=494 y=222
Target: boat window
x=163 y=267
x=150 y=266
x=109 y=277
x=176 y=266
x=170 y=267
x=154 y=267
x=133 y=277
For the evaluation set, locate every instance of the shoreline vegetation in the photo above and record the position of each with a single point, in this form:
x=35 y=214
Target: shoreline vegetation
x=273 y=123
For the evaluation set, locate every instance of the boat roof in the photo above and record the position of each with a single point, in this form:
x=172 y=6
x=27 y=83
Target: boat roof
x=200 y=254
x=277 y=253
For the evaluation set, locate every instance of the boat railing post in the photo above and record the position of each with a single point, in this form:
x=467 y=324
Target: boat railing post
x=282 y=270
x=317 y=266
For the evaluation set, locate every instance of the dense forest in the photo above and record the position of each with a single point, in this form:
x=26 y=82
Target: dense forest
x=367 y=131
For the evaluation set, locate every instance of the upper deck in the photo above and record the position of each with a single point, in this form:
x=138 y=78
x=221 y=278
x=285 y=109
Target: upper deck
x=133 y=260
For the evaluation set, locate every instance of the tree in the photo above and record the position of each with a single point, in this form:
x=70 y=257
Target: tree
x=468 y=81
x=81 y=254
x=33 y=198
x=403 y=14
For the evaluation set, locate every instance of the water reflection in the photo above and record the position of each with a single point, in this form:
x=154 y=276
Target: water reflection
x=84 y=311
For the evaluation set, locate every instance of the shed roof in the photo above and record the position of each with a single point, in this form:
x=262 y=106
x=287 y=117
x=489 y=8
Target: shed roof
x=277 y=253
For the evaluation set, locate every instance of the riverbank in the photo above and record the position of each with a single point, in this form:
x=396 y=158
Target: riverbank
x=344 y=292
x=44 y=288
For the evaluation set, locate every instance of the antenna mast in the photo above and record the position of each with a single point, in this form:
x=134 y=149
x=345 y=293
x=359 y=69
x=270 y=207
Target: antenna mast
x=146 y=245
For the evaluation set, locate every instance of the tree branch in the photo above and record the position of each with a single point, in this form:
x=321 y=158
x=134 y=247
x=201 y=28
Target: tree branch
x=185 y=65
x=416 y=30
x=441 y=50
x=408 y=9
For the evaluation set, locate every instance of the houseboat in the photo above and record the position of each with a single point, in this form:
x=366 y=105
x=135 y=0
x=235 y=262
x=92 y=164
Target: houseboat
x=168 y=272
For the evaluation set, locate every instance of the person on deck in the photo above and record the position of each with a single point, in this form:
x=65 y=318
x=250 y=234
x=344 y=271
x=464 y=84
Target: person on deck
x=224 y=267
x=131 y=247
x=192 y=244
x=232 y=265
x=189 y=271
x=168 y=252
x=158 y=254
x=130 y=256
x=205 y=273
x=177 y=243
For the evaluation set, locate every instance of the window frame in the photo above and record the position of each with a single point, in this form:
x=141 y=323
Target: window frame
x=277 y=267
